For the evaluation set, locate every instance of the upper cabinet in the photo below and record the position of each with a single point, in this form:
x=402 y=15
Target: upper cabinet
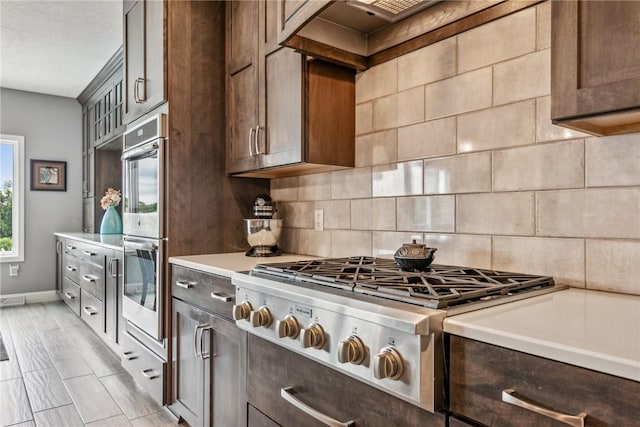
x=287 y=114
x=102 y=126
x=144 y=57
x=595 y=66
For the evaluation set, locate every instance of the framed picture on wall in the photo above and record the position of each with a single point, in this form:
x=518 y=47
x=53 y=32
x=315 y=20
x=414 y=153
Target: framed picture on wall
x=48 y=175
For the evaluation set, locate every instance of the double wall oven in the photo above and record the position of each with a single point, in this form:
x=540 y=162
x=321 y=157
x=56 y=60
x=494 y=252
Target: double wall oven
x=144 y=236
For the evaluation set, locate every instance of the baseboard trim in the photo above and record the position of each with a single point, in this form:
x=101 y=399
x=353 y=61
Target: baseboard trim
x=35 y=297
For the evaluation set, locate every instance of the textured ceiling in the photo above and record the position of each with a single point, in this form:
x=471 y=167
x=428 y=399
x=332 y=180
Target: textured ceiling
x=56 y=47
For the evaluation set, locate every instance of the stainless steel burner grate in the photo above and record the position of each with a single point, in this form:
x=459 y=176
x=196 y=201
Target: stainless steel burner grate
x=440 y=286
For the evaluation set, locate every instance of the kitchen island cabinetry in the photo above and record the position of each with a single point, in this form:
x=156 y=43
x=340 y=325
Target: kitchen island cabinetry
x=208 y=351
x=287 y=114
x=595 y=66
x=144 y=59
x=479 y=387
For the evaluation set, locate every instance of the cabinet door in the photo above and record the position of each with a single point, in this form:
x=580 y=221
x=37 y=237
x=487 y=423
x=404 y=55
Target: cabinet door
x=191 y=373
x=242 y=36
x=229 y=374
x=59 y=265
x=242 y=83
x=88 y=219
x=281 y=142
x=154 y=84
x=596 y=64
x=134 y=60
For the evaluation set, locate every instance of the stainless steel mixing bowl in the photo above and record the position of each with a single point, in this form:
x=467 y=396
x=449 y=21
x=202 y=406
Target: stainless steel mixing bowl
x=263 y=234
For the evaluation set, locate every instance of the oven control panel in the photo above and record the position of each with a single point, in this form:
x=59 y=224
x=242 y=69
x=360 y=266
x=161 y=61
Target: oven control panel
x=346 y=339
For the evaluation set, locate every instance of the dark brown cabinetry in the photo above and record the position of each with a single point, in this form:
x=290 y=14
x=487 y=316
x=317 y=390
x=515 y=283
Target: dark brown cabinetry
x=595 y=66
x=144 y=57
x=272 y=368
x=209 y=351
x=102 y=126
x=478 y=383
x=287 y=114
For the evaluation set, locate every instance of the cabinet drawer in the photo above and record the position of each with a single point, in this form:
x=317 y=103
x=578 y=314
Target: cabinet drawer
x=147 y=369
x=92 y=311
x=92 y=278
x=71 y=295
x=480 y=373
x=209 y=291
x=71 y=266
x=71 y=247
x=92 y=254
x=270 y=368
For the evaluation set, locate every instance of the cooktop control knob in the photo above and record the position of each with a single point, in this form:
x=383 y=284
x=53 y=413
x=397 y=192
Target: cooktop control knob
x=242 y=310
x=261 y=317
x=313 y=336
x=352 y=350
x=288 y=327
x=388 y=364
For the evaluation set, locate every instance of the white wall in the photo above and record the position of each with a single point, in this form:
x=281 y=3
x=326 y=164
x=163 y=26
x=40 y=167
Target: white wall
x=52 y=130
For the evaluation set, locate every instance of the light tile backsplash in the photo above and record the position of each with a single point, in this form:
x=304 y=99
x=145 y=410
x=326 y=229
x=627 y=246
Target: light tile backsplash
x=498 y=127
x=455 y=147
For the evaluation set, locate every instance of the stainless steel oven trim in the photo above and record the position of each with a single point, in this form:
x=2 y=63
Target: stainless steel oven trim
x=130 y=219
x=161 y=130
x=149 y=321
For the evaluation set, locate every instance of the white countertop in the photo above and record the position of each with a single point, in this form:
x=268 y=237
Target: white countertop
x=592 y=329
x=227 y=264
x=113 y=241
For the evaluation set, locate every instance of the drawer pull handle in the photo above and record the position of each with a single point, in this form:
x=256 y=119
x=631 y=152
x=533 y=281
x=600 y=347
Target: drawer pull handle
x=71 y=247
x=90 y=310
x=149 y=374
x=69 y=295
x=71 y=268
x=509 y=396
x=221 y=297
x=184 y=284
x=287 y=394
x=129 y=355
x=88 y=278
x=88 y=253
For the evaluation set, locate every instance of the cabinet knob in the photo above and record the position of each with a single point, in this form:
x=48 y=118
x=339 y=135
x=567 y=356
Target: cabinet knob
x=388 y=364
x=242 y=310
x=261 y=317
x=352 y=350
x=313 y=336
x=288 y=327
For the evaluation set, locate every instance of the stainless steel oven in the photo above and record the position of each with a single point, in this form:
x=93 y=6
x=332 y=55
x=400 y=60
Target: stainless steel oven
x=143 y=165
x=142 y=291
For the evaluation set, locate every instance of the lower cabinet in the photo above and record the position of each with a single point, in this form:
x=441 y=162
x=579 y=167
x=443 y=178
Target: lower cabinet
x=273 y=371
x=147 y=369
x=209 y=353
x=496 y=386
x=89 y=280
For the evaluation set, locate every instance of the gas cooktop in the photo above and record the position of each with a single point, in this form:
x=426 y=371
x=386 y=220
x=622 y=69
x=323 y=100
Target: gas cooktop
x=439 y=286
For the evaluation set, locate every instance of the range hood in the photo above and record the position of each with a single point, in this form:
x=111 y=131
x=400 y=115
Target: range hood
x=391 y=10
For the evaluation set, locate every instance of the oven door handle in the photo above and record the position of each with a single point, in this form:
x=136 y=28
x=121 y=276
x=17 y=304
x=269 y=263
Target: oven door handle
x=287 y=394
x=142 y=246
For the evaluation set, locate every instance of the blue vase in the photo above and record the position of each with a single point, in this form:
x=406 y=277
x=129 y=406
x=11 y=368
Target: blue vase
x=111 y=222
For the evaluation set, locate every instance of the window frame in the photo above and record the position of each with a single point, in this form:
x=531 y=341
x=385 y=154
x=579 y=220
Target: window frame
x=17 y=220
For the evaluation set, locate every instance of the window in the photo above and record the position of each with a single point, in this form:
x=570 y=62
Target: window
x=11 y=198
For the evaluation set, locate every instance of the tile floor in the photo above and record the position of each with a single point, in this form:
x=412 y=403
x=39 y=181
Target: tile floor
x=60 y=374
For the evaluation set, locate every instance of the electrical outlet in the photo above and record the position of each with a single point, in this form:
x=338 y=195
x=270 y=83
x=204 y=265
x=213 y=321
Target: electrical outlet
x=13 y=269
x=318 y=220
